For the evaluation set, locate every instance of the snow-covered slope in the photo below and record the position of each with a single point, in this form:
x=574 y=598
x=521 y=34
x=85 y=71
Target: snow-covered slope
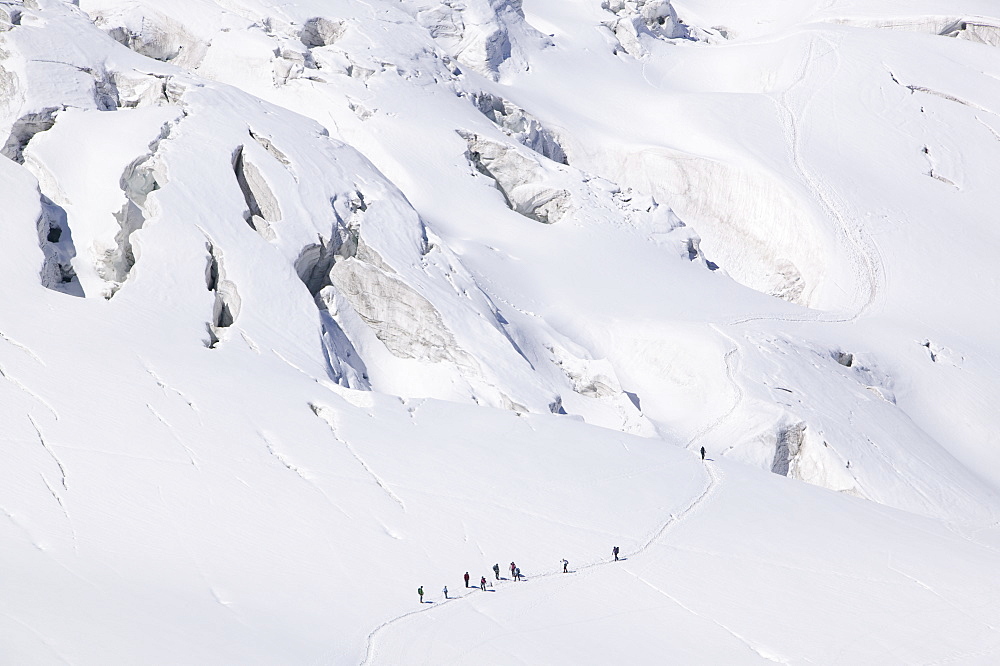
x=308 y=304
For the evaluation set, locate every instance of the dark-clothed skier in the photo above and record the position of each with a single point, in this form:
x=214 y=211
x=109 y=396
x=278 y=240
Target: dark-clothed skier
x=565 y=565
x=512 y=567
x=703 y=453
x=466 y=579
x=496 y=570
x=445 y=590
x=614 y=551
x=420 y=591
x=482 y=583
x=517 y=573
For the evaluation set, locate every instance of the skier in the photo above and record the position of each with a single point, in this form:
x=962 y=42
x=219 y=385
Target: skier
x=420 y=591
x=517 y=573
x=614 y=552
x=496 y=570
x=445 y=590
x=565 y=565
x=703 y=453
x=466 y=579
x=482 y=583
x=512 y=567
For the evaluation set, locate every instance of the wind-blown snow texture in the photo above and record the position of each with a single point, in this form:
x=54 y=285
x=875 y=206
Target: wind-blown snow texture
x=305 y=305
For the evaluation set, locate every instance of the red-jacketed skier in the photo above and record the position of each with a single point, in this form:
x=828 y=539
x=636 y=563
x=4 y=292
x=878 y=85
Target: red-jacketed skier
x=482 y=583
x=512 y=567
x=466 y=579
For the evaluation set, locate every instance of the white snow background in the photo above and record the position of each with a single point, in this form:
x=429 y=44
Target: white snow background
x=306 y=304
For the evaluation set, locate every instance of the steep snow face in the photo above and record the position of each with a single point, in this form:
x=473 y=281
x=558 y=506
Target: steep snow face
x=308 y=304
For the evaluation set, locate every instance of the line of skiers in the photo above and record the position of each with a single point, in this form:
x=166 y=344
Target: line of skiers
x=515 y=573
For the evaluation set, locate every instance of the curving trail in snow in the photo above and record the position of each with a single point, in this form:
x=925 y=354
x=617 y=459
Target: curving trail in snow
x=732 y=361
x=864 y=254
x=715 y=477
x=750 y=646
x=862 y=251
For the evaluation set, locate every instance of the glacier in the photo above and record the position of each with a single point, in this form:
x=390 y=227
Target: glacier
x=308 y=304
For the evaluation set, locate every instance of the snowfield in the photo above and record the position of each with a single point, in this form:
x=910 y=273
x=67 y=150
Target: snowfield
x=306 y=305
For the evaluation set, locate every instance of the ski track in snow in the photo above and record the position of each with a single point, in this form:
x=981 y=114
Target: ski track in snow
x=714 y=479
x=281 y=458
x=16 y=382
x=732 y=633
x=988 y=127
x=24 y=348
x=941 y=596
x=167 y=387
x=732 y=361
x=52 y=491
x=863 y=252
x=173 y=433
x=55 y=458
x=330 y=419
x=41 y=638
x=62 y=507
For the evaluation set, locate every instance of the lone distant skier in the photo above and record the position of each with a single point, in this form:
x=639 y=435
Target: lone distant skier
x=496 y=570
x=420 y=591
x=614 y=551
x=482 y=583
x=445 y=590
x=703 y=453
x=466 y=579
x=565 y=565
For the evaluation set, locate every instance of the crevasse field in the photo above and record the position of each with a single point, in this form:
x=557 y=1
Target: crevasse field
x=306 y=304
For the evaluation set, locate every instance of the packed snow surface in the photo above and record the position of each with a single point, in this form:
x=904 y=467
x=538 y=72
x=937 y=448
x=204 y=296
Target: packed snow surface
x=306 y=305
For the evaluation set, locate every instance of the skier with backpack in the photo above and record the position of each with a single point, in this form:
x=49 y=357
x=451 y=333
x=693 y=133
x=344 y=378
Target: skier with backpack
x=482 y=583
x=614 y=551
x=420 y=591
x=496 y=570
